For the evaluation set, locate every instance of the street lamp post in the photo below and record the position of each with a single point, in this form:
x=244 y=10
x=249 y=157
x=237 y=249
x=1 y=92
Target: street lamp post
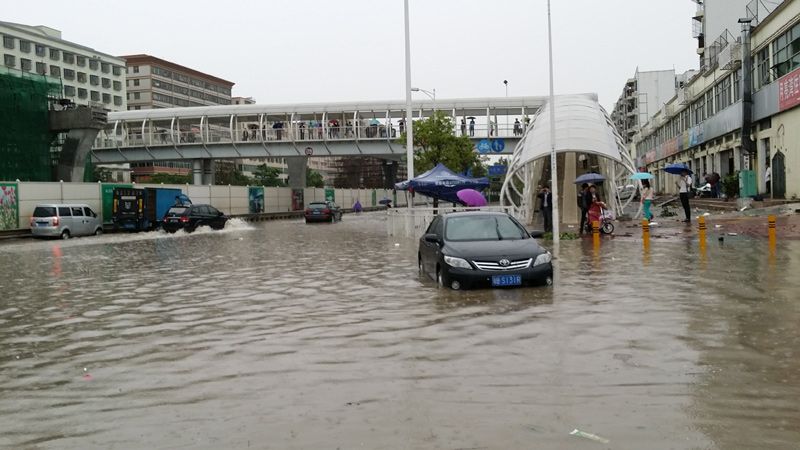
x=409 y=121
x=506 y=83
x=431 y=95
x=553 y=162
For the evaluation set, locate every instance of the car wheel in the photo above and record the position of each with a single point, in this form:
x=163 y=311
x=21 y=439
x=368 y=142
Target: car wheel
x=98 y=231
x=419 y=263
x=608 y=227
x=65 y=234
x=548 y=280
x=443 y=281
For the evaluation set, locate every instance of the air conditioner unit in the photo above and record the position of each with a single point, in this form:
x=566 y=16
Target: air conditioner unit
x=730 y=56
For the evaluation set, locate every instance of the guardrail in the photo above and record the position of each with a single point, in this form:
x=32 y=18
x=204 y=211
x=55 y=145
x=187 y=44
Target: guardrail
x=412 y=222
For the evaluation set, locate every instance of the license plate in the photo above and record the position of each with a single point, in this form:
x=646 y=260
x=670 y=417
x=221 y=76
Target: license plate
x=42 y=224
x=316 y=212
x=506 y=280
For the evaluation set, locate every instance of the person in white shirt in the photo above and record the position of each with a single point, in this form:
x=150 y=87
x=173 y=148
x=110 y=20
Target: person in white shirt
x=647 y=198
x=685 y=185
x=768 y=179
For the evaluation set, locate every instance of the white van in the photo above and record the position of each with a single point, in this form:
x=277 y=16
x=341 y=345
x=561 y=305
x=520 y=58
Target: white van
x=64 y=221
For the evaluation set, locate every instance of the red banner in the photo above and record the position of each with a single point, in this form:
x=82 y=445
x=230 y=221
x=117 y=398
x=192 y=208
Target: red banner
x=789 y=90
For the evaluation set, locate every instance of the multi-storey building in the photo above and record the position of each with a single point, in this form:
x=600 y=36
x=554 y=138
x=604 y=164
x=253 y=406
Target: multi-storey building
x=87 y=75
x=712 y=24
x=156 y=83
x=243 y=101
x=704 y=125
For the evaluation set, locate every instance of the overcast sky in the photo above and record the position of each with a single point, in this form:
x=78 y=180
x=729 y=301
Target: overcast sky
x=349 y=50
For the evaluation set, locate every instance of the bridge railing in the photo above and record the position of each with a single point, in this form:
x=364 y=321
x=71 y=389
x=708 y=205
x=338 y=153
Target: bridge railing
x=190 y=131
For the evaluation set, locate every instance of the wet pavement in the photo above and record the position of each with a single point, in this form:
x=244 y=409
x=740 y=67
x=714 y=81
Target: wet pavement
x=282 y=335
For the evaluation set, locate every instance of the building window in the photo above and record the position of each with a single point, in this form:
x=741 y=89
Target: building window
x=69 y=74
x=93 y=64
x=211 y=87
x=161 y=72
x=81 y=77
x=81 y=61
x=105 y=67
x=26 y=64
x=95 y=96
x=24 y=46
x=106 y=83
x=69 y=58
x=162 y=98
x=137 y=95
x=196 y=94
x=136 y=82
x=137 y=108
x=41 y=68
x=40 y=50
x=709 y=103
x=94 y=80
x=128 y=96
x=180 y=77
x=82 y=93
x=116 y=70
x=196 y=82
x=55 y=71
x=106 y=98
x=8 y=42
x=9 y=60
x=737 y=85
x=118 y=100
x=117 y=85
x=55 y=54
x=135 y=69
x=69 y=91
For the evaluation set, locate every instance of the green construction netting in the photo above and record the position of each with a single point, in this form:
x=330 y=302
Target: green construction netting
x=25 y=129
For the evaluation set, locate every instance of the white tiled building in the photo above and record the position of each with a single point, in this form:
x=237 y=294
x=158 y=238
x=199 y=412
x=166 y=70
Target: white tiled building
x=87 y=75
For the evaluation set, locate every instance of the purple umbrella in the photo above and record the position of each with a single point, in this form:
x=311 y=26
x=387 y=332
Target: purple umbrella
x=471 y=197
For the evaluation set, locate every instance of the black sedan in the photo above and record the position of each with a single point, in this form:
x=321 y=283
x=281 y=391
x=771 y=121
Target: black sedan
x=190 y=217
x=466 y=249
x=323 y=212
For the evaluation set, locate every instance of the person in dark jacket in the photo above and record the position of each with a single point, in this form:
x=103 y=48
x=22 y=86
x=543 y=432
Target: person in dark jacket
x=583 y=205
x=546 y=208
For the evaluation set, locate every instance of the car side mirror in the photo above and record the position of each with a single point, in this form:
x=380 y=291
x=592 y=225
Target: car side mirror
x=219 y=214
x=432 y=238
x=536 y=234
x=94 y=215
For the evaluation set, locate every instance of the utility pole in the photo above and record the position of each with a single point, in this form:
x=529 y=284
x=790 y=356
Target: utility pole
x=553 y=161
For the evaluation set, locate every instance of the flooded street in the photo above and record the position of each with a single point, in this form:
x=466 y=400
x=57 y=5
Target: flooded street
x=282 y=335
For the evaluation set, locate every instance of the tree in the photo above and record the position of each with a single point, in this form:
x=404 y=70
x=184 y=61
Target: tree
x=226 y=173
x=267 y=176
x=314 y=179
x=102 y=174
x=435 y=143
x=168 y=178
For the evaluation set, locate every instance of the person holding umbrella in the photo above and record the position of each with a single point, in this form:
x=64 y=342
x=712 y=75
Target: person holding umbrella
x=583 y=205
x=684 y=184
x=471 y=126
x=546 y=209
x=647 y=198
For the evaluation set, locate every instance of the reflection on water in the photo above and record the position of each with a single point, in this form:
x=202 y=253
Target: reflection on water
x=287 y=335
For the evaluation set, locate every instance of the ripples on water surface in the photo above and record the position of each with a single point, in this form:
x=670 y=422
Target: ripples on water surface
x=287 y=335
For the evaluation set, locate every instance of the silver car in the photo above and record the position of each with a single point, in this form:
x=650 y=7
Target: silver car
x=64 y=221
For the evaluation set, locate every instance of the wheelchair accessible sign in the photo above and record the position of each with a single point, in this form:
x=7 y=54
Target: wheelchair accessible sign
x=497 y=146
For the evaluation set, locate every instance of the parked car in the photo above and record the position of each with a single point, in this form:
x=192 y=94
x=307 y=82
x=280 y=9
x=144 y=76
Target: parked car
x=189 y=217
x=323 y=212
x=64 y=221
x=465 y=249
x=626 y=192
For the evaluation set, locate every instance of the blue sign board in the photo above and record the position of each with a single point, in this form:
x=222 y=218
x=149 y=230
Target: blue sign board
x=497 y=170
x=498 y=145
x=484 y=146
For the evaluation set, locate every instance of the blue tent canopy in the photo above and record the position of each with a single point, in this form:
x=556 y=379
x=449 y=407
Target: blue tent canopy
x=442 y=183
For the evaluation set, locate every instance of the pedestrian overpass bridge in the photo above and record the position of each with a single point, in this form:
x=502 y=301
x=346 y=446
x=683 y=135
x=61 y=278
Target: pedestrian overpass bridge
x=285 y=131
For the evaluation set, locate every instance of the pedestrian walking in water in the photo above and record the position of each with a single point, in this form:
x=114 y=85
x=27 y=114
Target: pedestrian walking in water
x=647 y=198
x=684 y=184
x=583 y=205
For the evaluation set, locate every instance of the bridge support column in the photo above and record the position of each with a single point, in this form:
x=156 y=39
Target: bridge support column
x=297 y=171
x=389 y=173
x=197 y=171
x=75 y=153
x=569 y=191
x=208 y=171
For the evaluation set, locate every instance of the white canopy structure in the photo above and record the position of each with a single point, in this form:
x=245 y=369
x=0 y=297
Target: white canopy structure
x=582 y=127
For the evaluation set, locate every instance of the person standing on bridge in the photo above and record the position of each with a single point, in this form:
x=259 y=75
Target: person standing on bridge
x=402 y=125
x=302 y=127
x=463 y=127
x=471 y=127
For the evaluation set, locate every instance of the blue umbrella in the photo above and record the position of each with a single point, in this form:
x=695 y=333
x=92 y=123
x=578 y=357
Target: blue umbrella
x=589 y=178
x=385 y=201
x=676 y=169
x=641 y=176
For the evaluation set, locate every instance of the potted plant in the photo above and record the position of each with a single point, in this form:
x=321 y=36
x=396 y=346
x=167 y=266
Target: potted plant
x=730 y=185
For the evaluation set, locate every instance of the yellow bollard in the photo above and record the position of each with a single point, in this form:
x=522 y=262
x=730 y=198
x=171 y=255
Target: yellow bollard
x=646 y=232
x=596 y=232
x=702 y=221
x=771 y=231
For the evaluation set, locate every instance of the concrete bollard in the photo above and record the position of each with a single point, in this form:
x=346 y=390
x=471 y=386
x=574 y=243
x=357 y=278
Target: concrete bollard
x=646 y=232
x=596 y=232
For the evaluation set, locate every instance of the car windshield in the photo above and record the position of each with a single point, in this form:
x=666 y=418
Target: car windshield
x=317 y=206
x=44 y=211
x=177 y=210
x=483 y=228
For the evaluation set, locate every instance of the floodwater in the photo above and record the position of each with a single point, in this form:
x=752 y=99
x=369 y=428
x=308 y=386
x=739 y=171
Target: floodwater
x=282 y=335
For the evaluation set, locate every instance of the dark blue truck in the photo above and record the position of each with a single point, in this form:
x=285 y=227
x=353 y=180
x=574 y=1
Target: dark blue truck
x=139 y=209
